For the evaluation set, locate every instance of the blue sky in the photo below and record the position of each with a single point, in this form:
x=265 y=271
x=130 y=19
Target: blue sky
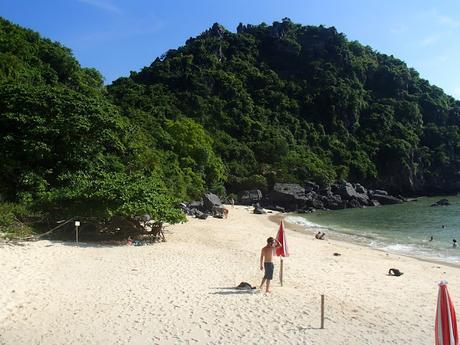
x=117 y=37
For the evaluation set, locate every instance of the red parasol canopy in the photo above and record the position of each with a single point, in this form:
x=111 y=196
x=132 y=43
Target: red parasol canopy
x=446 y=332
x=281 y=237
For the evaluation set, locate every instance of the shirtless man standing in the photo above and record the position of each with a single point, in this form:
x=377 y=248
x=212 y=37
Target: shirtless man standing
x=266 y=256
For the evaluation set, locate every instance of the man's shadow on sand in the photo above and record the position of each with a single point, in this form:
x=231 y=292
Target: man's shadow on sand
x=233 y=291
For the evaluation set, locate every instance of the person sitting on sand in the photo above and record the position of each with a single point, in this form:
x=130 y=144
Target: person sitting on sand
x=266 y=257
x=320 y=235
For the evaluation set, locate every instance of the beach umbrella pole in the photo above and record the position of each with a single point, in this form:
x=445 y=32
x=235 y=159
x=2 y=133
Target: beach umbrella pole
x=281 y=249
x=322 y=311
x=281 y=271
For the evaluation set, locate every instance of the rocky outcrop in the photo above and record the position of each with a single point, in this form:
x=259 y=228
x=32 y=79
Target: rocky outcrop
x=210 y=201
x=333 y=201
x=386 y=199
x=311 y=187
x=442 y=202
x=349 y=193
x=290 y=196
x=250 y=197
x=293 y=197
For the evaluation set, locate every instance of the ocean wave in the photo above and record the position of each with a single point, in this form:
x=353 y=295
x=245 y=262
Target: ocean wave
x=416 y=245
x=302 y=221
x=401 y=248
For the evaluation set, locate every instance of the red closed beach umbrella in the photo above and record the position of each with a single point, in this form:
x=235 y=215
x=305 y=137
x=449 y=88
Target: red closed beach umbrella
x=283 y=249
x=446 y=332
x=281 y=238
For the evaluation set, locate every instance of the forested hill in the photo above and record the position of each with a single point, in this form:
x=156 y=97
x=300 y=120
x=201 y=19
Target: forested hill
x=288 y=102
x=225 y=112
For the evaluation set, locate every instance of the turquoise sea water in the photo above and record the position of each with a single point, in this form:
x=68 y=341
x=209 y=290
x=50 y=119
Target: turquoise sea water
x=404 y=228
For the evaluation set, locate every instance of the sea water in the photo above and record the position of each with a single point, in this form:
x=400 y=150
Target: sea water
x=403 y=228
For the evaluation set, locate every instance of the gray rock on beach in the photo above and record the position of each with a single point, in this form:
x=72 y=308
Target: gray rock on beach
x=210 y=200
x=250 y=197
x=291 y=196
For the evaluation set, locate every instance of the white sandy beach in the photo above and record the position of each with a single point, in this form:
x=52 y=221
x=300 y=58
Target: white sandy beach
x=179 y=292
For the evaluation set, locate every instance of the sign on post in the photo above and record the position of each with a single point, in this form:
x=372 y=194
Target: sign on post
x=77 y=225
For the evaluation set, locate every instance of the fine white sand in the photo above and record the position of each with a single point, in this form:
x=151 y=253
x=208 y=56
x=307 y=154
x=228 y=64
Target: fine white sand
x=180 y=292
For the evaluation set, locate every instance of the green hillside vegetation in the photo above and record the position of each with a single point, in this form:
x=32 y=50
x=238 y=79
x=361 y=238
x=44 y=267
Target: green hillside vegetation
x=289 y=103
x=225 y=112
x=66 y=149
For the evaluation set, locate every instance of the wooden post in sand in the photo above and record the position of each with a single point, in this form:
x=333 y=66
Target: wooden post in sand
x=281 y=271
x=322 y=312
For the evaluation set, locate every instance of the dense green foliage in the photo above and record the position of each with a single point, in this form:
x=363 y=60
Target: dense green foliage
x=225 y=112
x=12 y=216
x=65 y=147
x=289 y=103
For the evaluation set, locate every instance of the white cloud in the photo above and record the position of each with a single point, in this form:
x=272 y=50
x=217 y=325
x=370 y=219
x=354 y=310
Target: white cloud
x=448 y=21
x=430 y=40
x=105 y=5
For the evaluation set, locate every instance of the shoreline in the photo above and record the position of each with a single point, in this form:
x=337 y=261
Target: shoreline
x=57 y=293
x=331 y=235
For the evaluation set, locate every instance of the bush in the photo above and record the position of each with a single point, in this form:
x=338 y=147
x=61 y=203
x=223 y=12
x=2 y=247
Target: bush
x=12 y=218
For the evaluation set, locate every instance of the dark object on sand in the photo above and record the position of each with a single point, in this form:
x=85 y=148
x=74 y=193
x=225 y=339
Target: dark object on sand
x=337 y=254
x=245 y=286
x=320 y=235
x=395 y=272
x=259 y=210
x=201 y=215
x=219 y=212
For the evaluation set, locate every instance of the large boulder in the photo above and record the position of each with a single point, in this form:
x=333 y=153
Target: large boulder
x=311 y=187
x=360 y=189
x=333 y=201
x=374 y=202
x=379 y=192
x=250 y=197
x=196 y=205
x=353 y=203
x=347 y=192
x=289 y=195
x=442 y=202
x=386 y=199
x=210 y=201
